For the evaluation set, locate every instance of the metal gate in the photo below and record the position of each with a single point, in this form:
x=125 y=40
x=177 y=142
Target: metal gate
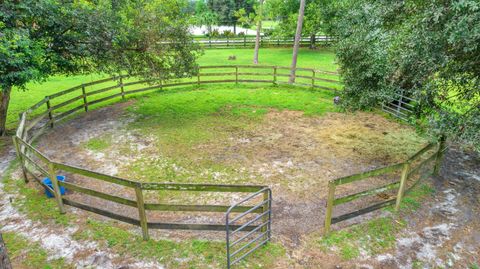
x=248 y=231
x=401 y=108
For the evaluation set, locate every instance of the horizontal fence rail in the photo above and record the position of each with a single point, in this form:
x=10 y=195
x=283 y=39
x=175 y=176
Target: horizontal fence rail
x=431 y=153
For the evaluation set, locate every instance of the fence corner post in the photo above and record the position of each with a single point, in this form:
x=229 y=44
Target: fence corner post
x=20 y=158
x=313 y=78
x=56 y=188
x=328 y=213
x=403 y=182
x=141 y=212
x=440 y=153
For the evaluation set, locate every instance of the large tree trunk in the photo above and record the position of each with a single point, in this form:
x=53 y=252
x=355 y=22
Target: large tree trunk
x=4 y=100
x=296 y=45
x=4 y=261
x=257 y=38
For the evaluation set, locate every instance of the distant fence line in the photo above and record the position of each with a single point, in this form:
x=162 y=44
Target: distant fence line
x=253 y=220
x=265 y=41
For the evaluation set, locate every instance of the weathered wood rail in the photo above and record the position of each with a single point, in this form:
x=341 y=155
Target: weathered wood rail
x=433 y=152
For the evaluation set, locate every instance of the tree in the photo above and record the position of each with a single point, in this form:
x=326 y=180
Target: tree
x=4 y=261
x=41 y=38
x=257 y=36
x=225 y=10
x=204 y=16
x=296 y=45
x=286 y=11
x=428 y=50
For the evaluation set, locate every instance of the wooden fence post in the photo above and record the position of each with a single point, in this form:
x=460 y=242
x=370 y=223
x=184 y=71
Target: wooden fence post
x=141 y=212
x=84 y=93
x=403 y=182
x=20 y=158
x=236 y=74
x=274 y=75
x=121 y=88
x=439 y=158
x=328 y=213
x=313 y=78
x=50 y=116
x=198 y=77
x=244 y=40
x=56 y=188
x=210 y=41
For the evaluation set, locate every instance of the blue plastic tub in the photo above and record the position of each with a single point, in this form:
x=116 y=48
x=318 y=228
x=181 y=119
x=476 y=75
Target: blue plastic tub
x=48 y=182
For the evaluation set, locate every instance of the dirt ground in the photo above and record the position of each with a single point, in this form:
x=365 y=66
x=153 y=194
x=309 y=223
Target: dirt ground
x=296 y=156
x=293 y=154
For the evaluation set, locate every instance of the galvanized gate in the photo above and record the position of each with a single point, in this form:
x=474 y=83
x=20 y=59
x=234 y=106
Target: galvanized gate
x=401 y=108
x=248 y=231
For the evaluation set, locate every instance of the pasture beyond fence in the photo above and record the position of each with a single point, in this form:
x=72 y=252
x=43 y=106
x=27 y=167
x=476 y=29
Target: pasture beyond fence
x=247 y=223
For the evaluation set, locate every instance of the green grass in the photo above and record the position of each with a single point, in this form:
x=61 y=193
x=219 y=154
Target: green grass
x=373 y=237
x=25 y=254
x=98 y=143
x=184 y=254
x=320 y=59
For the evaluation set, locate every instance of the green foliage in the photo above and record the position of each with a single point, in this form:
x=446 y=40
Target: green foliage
x=26 y=254
x=40 y=38
x=426 y=49
x=225 y=9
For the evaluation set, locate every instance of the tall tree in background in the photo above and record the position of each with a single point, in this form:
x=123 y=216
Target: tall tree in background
x=296 y=45
x=286 y=12
x=428 y=50
x=41 y=38
x=259 y=29
x=225 y=10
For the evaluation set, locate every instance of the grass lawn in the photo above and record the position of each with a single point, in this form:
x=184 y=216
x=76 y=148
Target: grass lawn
x=321 y=59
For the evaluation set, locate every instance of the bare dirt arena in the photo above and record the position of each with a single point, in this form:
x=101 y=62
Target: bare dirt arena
x=293 y=154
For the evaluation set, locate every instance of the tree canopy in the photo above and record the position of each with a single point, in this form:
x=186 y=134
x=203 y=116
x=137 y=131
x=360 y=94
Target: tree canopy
x=429 y=50
x=41 y=38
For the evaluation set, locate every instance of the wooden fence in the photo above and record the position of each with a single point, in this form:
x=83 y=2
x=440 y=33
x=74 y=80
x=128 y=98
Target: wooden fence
x=409 y=177
x=62 y=105
x=249 y=41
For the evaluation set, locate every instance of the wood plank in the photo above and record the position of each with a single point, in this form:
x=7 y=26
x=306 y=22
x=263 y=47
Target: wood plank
x=106 y=89
x=358 y=195
x=34 y=150
x=198 y=208
x=37 y=105
x=63 y=115
x=363 y=211
x=102 y=212
x=102 y=195
x=55 y=107
x=420 y=152
x=104 y=99
x=421 y=164
x=57 y=94
x=92 y=174
x=200 y=187
x=38 y=167
x=371 y=173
